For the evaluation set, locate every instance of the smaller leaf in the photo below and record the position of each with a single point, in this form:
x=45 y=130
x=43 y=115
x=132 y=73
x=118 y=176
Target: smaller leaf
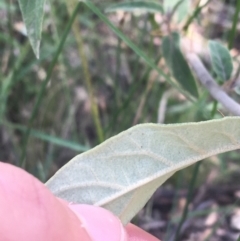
x=143 y=6
x=177 y=63
x=221 y=60
x=32 y=13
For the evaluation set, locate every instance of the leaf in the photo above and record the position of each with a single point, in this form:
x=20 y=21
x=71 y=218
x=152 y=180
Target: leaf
x=221 y=60
x=122 y=173
x=177 y=63
x=143 y=6
x=180 y=7
x=32 y=13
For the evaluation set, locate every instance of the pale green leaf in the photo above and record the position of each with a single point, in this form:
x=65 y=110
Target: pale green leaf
x=142 y=6
x=177 y=63
x=122 y=173
x=32 y=13
x=221 y=60
x=180 y=7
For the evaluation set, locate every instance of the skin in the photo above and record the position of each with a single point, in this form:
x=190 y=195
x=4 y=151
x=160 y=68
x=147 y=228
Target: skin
x=29 y=211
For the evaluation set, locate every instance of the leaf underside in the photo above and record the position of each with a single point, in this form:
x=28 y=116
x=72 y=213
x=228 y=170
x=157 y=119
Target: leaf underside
x=122 y=173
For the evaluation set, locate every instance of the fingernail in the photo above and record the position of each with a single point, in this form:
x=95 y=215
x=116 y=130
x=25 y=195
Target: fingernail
x=99 y=223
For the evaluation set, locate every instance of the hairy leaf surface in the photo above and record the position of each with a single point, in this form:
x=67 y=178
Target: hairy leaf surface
x=122 y=173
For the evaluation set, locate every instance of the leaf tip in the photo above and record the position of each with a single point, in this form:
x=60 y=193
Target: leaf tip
x=36 y=48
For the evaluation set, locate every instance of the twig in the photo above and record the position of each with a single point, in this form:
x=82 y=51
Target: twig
x=143 y=100
x=215 y=90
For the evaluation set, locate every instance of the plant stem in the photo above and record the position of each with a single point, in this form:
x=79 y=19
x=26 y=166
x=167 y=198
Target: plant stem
x=7 y=82
x=214 y=109
x=78 y=37
x=195 y=14
x=44 y=86
x=234 y=26
x=216 y=92
x=189 y=198
x=174 y=205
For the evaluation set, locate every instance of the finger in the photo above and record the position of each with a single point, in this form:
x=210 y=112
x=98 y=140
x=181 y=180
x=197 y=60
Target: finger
x=99 y=223
x=28 y=211
x=137 y=234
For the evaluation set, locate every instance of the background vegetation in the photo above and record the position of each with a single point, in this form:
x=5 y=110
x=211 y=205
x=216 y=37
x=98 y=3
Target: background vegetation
x=103 y=83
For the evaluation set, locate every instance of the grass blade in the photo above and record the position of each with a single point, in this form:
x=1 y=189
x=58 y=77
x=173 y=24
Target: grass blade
x=49 y=138
x=143 y=6
x=135 y=48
